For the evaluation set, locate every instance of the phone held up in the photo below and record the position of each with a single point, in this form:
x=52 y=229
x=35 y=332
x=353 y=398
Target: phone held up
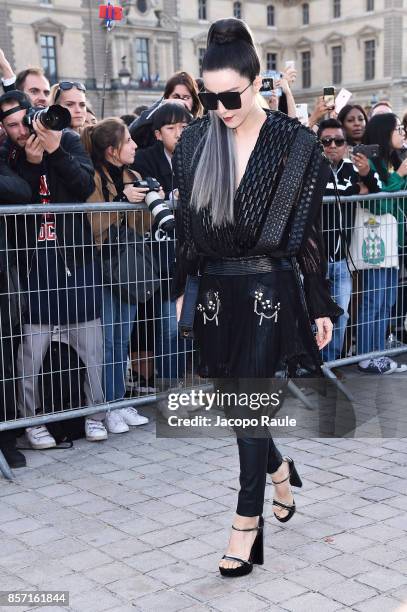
x=329 y=97
x=267 y=87
x=369 y=151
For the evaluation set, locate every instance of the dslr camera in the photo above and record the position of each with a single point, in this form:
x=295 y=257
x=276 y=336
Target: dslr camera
x=158 y=208
x=55 y=117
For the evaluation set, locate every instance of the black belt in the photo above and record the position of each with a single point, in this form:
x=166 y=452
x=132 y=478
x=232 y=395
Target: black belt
x=246 y=265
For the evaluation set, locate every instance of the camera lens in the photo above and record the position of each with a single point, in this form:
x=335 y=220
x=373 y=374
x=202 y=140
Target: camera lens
x=55 y=117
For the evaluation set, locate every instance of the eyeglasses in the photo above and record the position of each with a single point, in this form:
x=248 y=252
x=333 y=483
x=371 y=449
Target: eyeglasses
x=231 y=100
x=178 y=97
x=67 y=85
x=400 y=129
x=326 y=142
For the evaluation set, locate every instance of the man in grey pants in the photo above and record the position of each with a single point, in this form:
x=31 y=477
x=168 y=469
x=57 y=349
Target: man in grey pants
x=55 y=257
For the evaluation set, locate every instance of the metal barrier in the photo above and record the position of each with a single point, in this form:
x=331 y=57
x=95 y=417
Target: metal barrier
x=370 y=283
x=86 y=318
x=58 y=293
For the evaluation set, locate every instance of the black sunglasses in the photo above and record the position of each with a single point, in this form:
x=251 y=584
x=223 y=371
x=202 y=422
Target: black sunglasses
x=230 y=99
x=326 y=142
x=67 y=85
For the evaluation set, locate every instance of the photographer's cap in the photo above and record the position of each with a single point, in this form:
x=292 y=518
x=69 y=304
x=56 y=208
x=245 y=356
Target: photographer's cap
x=21 y=99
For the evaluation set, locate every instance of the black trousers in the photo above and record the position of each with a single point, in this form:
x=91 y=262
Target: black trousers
x=7 y=391
x=258 y=457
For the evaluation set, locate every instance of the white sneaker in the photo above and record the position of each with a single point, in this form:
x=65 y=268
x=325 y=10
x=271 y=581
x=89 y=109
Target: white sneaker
x=132 y=417
x=39 y=437
x=95 y=430
x=114 y=422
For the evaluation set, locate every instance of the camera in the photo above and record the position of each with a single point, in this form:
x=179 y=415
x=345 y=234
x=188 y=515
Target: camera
x=158 y=208
x=55 y=117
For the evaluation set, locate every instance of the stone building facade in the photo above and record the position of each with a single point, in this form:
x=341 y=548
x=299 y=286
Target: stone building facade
x=357 y=44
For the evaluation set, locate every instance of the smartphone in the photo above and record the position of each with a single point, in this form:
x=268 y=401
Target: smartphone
x=369 y=151
x=329 y=96
x=302 y=113
x=290 y=64
x=342 y=99
x=267 y=86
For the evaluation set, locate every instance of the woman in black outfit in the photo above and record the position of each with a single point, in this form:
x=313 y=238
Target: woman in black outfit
x=251 y=319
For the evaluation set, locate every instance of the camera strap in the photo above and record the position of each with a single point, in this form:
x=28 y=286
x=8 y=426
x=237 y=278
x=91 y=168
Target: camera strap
x=11 y=111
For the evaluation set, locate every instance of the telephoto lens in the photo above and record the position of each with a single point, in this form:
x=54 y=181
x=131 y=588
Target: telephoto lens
x=161 y=212
x=55 y=117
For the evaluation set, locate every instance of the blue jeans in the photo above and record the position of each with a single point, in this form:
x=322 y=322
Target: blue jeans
x=170 y=350
x=117 y=320
x=378 y=298
x=341 y=290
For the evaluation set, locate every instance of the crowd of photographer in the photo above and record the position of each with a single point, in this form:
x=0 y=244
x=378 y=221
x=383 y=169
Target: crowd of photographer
x=54 y=150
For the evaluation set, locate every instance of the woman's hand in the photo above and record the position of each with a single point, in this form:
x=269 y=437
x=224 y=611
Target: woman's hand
x=273 y=101
x=362 y=163
x=283 y=84
x=135 y=195
x=290 y=75
x=320 y=110
x=324 y=331
x=402 y=171
x=178 y=306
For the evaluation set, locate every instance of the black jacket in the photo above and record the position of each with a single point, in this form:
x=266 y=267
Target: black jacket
x=338 y=220
x=70 y=178
x=153 y=162
x=13 y=188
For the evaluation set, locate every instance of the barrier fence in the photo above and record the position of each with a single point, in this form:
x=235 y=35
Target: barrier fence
x=87 y=322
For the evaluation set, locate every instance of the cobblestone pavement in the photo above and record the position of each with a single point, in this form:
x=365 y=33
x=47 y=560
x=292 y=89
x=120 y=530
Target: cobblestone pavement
x=139 y=523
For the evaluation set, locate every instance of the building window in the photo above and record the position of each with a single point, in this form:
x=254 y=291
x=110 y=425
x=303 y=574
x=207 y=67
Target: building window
x=271 y=17
x=142 y=59
x=306 y=69
x=271 y=61
x=370 y=6
x=49 y=57
x=305 y=14
x=201 y=53
x=237 y=10
x=370 y=59
x=142 y=5
x=336 y=65
x=202 y=10
x=337 y=8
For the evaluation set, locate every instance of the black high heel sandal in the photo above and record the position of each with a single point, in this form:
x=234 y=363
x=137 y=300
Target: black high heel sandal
x=256 y=554
x=295 y=481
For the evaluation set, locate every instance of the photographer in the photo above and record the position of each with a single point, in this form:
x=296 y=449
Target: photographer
x=169 y=122
x=55 y=257
x=13 y=190
x=32 y=81
x=112 y=150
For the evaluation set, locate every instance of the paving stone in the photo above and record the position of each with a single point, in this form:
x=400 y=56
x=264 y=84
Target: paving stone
x=349 y=592
x=279 y=590
x=130 y=589
x=349 y=565
x=179 y=573
x=311 y=602
x=380 y=603
x=167 y=600
x=110 y=572
x=240 y=601
x=86 y=560
x=313 y=580
x=383 y=579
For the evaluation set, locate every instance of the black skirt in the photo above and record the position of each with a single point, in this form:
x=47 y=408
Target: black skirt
x=254 y=326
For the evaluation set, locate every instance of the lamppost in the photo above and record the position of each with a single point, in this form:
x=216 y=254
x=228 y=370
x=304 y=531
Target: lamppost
x=125 y=77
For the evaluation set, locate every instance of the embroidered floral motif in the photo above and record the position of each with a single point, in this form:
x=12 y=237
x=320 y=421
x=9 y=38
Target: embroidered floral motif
x=265 y=308
x=210 y=307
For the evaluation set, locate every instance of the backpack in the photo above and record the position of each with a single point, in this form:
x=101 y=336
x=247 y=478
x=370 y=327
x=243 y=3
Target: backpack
x=60 y=387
